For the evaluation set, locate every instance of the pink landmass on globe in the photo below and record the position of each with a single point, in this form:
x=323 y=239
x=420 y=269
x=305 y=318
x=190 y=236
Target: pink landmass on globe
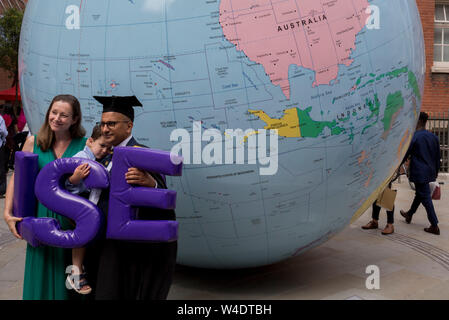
x=317 y=35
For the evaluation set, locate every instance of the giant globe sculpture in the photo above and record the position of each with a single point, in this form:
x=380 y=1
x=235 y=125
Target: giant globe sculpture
x=341 y=82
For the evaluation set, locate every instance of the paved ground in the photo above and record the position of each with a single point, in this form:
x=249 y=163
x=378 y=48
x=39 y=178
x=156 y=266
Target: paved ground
x=413 y=264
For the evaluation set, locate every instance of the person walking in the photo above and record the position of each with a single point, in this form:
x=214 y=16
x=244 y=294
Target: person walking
x=425 y=155
x=3 y=157
x=19 y=137
x=11 y=126
x=374 y=223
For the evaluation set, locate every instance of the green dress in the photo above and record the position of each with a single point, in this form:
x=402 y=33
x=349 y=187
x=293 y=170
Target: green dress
x=45 y=266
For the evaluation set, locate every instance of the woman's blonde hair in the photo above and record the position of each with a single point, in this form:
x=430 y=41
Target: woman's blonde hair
x=46 y=137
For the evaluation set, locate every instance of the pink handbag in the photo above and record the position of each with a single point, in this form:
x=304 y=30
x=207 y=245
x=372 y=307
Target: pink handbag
x=436 y=194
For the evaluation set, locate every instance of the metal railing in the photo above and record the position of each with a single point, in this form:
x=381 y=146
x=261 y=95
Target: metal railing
x=7 y=4
x=439 y=124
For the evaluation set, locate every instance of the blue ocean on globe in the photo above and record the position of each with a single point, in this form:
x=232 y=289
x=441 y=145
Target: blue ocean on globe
x=341 y=82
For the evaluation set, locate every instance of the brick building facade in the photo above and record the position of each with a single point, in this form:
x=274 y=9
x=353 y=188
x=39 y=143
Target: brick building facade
x=436 y=92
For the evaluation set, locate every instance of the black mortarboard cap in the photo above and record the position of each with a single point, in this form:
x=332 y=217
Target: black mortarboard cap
x=123 y=105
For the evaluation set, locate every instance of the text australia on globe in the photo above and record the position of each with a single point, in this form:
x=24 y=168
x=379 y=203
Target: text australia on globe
x=321 y=37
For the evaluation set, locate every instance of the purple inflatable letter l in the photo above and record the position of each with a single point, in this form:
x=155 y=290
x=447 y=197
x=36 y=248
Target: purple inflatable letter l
x=24 y=203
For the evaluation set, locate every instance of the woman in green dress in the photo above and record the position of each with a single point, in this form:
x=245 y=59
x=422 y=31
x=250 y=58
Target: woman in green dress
x=61 y=136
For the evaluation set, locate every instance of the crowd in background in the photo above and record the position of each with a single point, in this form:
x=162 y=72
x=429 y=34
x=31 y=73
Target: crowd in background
x=13 y=131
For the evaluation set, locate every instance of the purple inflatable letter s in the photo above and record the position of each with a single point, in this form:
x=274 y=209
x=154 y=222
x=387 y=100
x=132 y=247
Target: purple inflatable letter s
x=49 y=189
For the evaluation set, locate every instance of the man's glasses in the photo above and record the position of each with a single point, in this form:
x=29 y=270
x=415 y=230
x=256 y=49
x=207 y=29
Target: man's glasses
x=110 y=124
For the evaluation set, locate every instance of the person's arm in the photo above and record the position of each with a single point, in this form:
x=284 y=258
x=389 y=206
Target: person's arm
x=75 y=184
x=7 y=213
x=81 y=172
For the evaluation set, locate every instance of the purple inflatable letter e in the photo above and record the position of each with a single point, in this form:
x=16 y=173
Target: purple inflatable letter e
x=124 y=198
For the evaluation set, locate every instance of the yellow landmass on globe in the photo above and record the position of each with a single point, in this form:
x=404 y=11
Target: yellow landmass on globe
x=287 y=126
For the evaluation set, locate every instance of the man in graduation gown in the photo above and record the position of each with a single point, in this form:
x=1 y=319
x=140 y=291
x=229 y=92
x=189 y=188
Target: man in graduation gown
x=131 y=270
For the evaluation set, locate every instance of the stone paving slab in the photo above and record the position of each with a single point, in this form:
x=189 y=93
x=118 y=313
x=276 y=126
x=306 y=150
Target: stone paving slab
x=412 y=264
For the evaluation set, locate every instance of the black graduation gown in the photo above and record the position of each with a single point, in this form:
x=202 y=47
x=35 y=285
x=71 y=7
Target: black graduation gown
x=132 y=270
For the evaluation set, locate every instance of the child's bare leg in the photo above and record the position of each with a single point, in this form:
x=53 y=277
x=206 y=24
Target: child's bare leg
x=78 y=258
x=77 y=261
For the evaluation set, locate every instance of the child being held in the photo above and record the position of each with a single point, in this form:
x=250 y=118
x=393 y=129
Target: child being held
x=96 y=149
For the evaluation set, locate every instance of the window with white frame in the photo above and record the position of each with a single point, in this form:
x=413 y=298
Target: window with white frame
x=441 y=39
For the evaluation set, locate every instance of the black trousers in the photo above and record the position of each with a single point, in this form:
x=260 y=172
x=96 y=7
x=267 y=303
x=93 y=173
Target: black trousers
x=121 y=270
x=376 y=212
x=4 y=157
x=422 y=196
